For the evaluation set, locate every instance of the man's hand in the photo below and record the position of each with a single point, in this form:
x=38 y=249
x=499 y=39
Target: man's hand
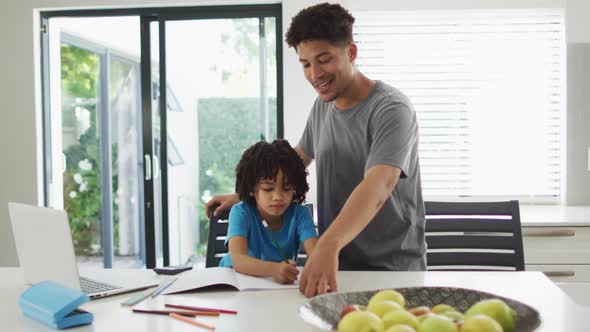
x=226 y=202
x=319 y=273
x=285 y=273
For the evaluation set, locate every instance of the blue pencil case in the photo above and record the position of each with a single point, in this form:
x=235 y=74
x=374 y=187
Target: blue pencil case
x=55 y=305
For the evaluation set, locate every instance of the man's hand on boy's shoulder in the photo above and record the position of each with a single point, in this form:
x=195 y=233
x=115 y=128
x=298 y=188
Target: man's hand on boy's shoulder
x=225 y=201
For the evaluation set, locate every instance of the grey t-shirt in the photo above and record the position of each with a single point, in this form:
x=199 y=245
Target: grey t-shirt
x=381 y=129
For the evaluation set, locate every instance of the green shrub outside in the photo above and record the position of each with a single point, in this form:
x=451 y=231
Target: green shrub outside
x=227 y=127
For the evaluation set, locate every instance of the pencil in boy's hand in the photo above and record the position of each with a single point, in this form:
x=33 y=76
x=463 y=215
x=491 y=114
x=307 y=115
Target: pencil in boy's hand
x=276 y=244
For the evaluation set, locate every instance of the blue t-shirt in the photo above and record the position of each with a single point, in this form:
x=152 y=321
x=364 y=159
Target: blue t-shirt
x=244 y=220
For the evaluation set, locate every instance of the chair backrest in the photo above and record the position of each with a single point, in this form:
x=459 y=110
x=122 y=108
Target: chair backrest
x=216 y=241
x=216 y=249
x=474 y=236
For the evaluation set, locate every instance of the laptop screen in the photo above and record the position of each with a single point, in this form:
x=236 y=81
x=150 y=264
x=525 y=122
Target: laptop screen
x=44 y=244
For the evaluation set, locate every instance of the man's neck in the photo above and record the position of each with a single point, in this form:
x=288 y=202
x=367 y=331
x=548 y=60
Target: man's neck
x=359 y=88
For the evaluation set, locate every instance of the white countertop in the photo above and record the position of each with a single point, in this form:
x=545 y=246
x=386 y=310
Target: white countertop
x=554 y=215
x=277 y=310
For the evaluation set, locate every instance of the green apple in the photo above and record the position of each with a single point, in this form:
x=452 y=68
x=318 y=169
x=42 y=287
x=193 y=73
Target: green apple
x=481 y=323
x=437 y=323
x=390 y=295
x=454 y=315
x=360 y=321
x=401 y=328
x=495 y=309
x=380 y=308
x=350 y=308
x=398 y=317
x=421 y=318
x=419 y=311
x=440 y=308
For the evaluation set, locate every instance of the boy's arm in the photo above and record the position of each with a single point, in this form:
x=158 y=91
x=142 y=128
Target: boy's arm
x=282 y=273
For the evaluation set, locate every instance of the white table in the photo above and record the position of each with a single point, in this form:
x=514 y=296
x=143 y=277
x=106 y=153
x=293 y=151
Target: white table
x=277 y=310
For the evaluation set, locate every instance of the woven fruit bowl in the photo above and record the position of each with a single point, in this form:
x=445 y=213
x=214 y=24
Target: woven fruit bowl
x=324 y=311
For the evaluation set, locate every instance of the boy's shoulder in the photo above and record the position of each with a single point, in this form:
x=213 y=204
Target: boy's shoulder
x=243 y=208
x=300 y=209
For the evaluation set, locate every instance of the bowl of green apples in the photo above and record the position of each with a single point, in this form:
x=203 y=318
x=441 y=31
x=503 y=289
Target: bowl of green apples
x=419 y=309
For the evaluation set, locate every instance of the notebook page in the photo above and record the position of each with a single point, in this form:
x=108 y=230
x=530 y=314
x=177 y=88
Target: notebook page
x=197 y=278
x=245 y=282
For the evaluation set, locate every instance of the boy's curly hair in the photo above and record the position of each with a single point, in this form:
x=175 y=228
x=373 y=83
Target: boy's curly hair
x=263 y=161
x=323 y=21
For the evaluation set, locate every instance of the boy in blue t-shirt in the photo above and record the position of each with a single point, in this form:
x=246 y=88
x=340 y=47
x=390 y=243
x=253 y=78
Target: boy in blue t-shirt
x=271 y=181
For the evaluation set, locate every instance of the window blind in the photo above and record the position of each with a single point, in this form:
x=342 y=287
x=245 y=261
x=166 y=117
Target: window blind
x=488 y=88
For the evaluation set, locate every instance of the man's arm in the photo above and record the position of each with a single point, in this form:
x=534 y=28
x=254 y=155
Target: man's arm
x=309 y=244
x=306 y=160
x=363 y=204
x=319 y=275
x=225 y=201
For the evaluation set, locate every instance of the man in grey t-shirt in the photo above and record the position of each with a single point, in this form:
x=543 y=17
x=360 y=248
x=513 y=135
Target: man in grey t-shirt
x=363 y=136
x=381 y=129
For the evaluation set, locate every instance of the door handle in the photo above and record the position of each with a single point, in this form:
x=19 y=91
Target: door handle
x=148 y=167
x=156 y=166
x=64 y=162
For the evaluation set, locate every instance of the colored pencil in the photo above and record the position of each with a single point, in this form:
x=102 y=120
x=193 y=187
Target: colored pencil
x=163 y=287
x=135 y=299
x=274 y=241
x=186 y=307
x=192 y=321
x=179 y=312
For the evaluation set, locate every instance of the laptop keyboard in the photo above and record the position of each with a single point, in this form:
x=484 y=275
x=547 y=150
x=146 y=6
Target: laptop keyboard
x=90 y=286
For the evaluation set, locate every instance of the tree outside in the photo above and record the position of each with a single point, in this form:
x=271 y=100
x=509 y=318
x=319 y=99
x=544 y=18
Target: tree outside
x=79 y=72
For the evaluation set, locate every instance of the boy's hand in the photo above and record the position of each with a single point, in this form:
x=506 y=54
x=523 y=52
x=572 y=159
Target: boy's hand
x=286 y=273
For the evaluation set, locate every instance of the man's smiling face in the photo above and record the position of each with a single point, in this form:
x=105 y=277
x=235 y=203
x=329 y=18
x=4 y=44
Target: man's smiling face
x=328 y=67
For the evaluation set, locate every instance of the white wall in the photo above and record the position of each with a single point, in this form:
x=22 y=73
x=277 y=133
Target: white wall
x=19 y=111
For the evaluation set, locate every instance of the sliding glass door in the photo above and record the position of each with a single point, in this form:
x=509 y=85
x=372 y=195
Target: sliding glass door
x=146 y=113
x=94 y=145
x=226 y=95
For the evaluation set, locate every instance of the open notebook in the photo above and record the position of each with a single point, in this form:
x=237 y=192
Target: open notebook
x=218 y=276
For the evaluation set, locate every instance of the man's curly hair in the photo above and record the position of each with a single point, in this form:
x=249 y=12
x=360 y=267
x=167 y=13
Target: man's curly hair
x=263 y=161
x=324 y=21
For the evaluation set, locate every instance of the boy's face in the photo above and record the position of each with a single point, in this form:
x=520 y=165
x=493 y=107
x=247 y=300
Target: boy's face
x=328 y=67
x=273 y=196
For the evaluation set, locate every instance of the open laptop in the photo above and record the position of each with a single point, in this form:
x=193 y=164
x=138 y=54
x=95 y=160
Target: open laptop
x=46 y=252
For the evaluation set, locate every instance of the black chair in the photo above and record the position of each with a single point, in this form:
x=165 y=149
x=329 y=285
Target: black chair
x=216 y=240
x=474 y=236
